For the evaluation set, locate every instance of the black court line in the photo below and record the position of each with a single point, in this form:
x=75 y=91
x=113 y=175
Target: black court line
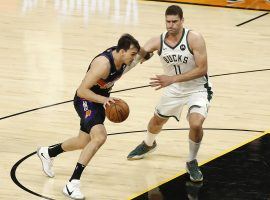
x=26 y=111
x=16 y=165
x=55 y=104
x=244 y=72
x=15 y=180
x=209 y=5
x=252 y=19
x=177 y=129
x=133 y=88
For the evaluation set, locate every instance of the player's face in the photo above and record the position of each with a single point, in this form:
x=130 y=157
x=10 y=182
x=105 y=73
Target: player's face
x=130 y=54
x=174 y=24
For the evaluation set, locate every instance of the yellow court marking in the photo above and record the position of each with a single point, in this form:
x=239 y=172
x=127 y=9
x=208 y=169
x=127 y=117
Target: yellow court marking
x=165 y=181
x=235 y=147
x=183 y=171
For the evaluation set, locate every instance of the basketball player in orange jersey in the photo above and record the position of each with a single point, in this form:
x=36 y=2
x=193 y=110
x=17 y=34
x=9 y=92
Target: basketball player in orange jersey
x=90 y=101
x=183 y=56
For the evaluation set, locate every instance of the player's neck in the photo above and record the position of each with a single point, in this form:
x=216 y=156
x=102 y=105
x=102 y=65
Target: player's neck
x=175 y=37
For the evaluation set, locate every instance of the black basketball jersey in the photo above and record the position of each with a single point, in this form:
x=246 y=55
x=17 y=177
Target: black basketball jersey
x=103 y=86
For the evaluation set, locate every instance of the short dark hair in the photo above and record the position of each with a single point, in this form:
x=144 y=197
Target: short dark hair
x=174 y=10
x=126 y=41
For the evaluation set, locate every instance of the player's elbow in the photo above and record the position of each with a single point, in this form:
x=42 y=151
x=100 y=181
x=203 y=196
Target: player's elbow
x=203 y=71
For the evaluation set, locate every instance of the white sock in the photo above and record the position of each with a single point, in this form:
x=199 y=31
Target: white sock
x=193 y=150
x=150 y=138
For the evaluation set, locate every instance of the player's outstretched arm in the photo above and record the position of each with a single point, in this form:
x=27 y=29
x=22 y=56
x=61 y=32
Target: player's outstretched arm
x=145 y=53
x=150 y=47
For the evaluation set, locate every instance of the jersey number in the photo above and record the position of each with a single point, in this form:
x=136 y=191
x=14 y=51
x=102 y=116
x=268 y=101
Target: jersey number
x=177 y=69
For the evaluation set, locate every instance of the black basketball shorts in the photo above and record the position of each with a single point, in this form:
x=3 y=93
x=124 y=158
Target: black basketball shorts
x=91 y=113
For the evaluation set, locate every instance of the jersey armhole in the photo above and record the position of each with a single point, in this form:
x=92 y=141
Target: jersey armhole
x=161 y=44
x=188 y=43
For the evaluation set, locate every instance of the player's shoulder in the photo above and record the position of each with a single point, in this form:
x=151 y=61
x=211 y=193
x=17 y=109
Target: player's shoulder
x=194 y=35
x=195 y=39
x=101 y=60
x=100 y=64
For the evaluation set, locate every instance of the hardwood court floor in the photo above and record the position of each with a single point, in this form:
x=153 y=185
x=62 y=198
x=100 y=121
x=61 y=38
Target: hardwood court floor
x=45 y=49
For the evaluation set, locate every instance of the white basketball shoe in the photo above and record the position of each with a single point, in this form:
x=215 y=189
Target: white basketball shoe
x=46 y=160
x=72 y=190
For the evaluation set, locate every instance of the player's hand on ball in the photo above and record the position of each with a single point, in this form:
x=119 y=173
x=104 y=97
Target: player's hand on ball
x=109 y=100
x=118 y=111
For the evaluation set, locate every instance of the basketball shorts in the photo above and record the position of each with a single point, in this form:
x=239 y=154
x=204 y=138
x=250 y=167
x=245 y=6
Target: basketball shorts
x=172 y=106
x=91 y=113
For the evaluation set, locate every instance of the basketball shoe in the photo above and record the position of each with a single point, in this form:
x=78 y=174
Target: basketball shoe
x=194 y=171
x=46 y=160
x=72 y=190
x=141 y=150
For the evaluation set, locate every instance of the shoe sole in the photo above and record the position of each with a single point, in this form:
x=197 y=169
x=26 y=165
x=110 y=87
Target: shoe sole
x=42 y=163
x=67 y=195
x=141 y=156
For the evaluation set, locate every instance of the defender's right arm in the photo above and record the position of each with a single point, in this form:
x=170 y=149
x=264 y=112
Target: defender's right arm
x=146 y=52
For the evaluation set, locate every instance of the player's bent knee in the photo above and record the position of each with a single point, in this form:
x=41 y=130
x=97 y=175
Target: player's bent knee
x=100 y=140
x=83 y=144
x=157 y=121
x=196 y=126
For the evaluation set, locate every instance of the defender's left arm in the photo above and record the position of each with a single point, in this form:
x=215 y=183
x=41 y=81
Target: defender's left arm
x=198 y=47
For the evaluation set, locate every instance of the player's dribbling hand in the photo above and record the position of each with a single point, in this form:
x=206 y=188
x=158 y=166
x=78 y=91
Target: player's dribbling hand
x=109 y=100
x=161 y=81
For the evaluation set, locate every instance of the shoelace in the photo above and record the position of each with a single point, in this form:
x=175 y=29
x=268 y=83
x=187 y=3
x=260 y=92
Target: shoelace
x=142 y=147
x=194 y=170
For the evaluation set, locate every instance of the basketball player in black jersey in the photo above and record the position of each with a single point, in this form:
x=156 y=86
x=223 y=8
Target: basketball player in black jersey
x=90 y=101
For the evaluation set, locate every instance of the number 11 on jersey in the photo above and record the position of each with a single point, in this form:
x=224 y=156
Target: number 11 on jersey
x=177 y=69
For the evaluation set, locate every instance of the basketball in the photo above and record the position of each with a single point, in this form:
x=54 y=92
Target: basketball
x=117 y=112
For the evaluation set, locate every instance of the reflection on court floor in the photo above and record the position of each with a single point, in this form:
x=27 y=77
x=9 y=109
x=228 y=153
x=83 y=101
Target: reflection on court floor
x=240 y=174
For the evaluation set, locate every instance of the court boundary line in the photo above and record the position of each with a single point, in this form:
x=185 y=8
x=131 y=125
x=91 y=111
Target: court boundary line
x=133 y=88
x=16 y=165
x=15 y=180
x=202 y=163
x=262 y=15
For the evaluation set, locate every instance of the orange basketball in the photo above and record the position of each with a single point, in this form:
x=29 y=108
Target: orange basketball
x=117 y=112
